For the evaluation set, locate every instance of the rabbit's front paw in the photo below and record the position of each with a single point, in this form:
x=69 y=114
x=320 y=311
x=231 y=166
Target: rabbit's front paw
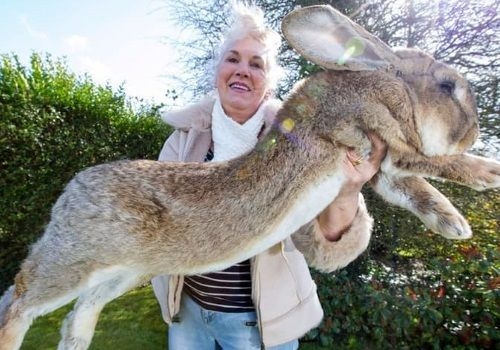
x=486 y=172
x=450 y=225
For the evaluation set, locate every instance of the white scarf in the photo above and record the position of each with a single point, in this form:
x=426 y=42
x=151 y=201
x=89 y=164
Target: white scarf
x=230 y=138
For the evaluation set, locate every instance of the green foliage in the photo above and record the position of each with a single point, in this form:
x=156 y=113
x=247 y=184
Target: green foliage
x=53 y=124
x=415 y=290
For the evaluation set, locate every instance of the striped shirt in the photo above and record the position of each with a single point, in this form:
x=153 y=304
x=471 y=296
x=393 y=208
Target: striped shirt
x=229 y=290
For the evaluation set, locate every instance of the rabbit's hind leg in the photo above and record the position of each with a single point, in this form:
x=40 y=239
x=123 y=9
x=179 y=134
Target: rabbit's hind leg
x=78 y=327
x=19 y=309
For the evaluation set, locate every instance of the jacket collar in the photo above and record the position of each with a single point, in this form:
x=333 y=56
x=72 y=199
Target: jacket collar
x=198 y=115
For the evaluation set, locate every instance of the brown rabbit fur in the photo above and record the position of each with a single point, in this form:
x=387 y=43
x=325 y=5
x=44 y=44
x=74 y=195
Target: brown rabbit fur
x=117 y=225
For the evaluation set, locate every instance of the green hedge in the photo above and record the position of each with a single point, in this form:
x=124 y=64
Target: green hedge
x=53 y=124
x=413 y=289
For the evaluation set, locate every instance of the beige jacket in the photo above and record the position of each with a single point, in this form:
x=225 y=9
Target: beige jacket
x=283 y=291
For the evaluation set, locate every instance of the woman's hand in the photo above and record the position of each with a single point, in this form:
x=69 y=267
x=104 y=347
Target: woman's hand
x=359 y=170
x=338 y=216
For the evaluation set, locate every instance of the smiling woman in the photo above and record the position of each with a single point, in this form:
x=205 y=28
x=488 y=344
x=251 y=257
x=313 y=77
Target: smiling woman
x=258 y=300
x=241 y=79
x=246 y=70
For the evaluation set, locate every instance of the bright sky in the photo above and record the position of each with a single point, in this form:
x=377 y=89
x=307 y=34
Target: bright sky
x=115 y=41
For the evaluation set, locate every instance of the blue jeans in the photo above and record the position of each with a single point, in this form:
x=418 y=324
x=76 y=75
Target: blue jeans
x=202 y=329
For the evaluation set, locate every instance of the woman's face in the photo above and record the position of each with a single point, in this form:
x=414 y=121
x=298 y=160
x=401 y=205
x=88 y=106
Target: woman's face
x=242 y=79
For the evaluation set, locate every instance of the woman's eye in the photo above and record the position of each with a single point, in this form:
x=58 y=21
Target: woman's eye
x=256 y=65
x=231 y=60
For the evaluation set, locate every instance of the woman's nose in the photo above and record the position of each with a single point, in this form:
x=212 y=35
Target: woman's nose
x=242 y=71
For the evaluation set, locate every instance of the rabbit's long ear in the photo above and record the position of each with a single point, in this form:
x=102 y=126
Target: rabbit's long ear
x=328 y=38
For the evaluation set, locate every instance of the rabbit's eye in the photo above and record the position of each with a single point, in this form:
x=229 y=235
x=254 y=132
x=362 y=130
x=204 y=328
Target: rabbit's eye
x=447 y=87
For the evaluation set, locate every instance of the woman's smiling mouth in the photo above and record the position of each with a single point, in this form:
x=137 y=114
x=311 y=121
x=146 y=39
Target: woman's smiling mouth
x=239 y=86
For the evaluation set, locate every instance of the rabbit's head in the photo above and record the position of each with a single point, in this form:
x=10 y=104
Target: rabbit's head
x=443 y=104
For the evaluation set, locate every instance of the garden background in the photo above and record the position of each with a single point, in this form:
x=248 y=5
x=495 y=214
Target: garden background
x=411 y=289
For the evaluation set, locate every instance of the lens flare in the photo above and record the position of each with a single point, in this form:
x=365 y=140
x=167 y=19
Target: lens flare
x=287 y=125
x=353 y=47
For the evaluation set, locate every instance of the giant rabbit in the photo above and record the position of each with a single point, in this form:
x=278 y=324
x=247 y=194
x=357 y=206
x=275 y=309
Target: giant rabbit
x=117 y=225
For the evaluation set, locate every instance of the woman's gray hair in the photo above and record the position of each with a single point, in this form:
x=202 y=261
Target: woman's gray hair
x=249 y=21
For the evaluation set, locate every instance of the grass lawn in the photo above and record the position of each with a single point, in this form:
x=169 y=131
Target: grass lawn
x=130 y=322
